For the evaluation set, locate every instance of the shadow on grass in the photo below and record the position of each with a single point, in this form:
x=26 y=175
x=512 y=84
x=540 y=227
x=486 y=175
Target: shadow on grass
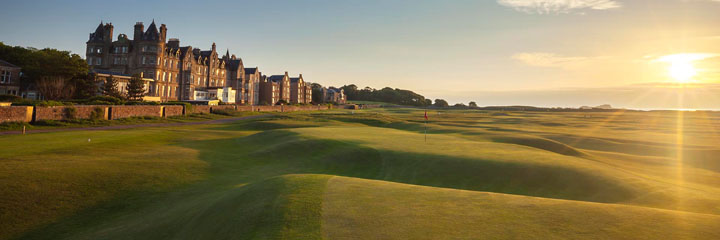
x=237 y=199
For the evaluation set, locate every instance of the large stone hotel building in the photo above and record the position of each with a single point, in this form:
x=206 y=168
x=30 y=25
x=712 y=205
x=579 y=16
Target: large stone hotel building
x=183 y=73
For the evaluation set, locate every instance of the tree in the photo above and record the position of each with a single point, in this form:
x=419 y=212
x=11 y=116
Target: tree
x=459 y=105
x=110 y=87
x=135 y=88
x=472 y=104
x=317 y=96
x=441 y=103
x=428 y=102
x=55 y=87
x=86 y=87
x=37 y=65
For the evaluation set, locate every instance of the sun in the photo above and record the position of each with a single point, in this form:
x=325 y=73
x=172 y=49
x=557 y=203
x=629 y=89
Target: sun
x=682 y=71
x=681 y=68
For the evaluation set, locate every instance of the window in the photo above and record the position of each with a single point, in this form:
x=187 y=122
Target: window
x=164 y=78
x=144 y=60
x=89 y=61
x=98 y=50
x=5 y=76
x=89 y=50
x=98 y=61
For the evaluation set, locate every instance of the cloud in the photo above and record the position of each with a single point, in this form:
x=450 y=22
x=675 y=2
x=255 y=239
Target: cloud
x=558 y=6
x=544 y=59
x=685 y=57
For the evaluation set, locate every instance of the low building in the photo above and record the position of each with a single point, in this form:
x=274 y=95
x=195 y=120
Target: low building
x=221 y=94
x=9 y=78
x=122 y=81
x=335 y=95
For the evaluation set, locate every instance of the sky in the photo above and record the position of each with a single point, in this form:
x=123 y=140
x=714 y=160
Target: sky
x=650 y=54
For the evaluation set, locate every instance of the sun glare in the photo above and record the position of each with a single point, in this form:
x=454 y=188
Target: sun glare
x=681 y=67
x=682 y=71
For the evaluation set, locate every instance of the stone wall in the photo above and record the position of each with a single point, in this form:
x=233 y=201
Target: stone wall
x=118 y=112
x=59 y=112
x=25 y=114
x=16 y=114
x=199 y=109
x=173 y=110
x=223 y=108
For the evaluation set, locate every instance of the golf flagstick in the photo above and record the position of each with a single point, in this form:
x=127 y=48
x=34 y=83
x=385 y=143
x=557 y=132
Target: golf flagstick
x=426 y=119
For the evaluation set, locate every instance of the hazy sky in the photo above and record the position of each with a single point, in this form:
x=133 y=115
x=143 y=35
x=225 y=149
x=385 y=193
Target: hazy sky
x=533 y=52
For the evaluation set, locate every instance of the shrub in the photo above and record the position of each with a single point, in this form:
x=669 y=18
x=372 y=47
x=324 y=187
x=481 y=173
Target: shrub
x=70 y=113
x=141 y=103
x=9 y=98
x=97 y=114
x=109 y=99
x=98 y=102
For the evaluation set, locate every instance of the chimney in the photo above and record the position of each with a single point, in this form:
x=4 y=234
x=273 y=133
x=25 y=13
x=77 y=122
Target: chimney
x=139 y=30
x=163 y=32
x=108 y=33
x=174 y=43
x=213 y=47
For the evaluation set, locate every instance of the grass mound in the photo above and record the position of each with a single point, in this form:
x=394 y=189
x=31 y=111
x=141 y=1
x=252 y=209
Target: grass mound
x=352 y=209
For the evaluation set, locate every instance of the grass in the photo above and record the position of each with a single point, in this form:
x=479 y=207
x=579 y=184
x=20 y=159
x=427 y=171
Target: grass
x=77 y=123
x=370 y=174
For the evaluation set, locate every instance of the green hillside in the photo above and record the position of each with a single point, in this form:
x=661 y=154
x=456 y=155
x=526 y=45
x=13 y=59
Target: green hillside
x=370 y=174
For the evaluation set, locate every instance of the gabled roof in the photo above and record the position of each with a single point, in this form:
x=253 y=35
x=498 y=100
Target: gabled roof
x=251 y=70
x=152 y=32
x=294 y=80
x=7 y=64
x=184 y=51
x=97 y=36
x=276 y=78
x=234 y=65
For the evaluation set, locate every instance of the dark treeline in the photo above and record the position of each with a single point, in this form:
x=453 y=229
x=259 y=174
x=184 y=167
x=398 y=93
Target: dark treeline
x=388 y=95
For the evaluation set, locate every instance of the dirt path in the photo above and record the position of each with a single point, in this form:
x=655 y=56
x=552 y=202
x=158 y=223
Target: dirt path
x=215 y=121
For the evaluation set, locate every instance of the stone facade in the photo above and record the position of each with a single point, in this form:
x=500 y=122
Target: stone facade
x=236 y=77
x=176 y=71
x=252 y=86
x=269 y=91
x=298 y=90
x=283 y=82
x=9 y=78
x=334 y=95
